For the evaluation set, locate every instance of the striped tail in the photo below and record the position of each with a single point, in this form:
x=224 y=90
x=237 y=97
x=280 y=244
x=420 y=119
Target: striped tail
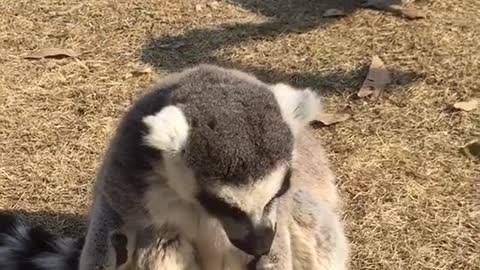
x=24 y=247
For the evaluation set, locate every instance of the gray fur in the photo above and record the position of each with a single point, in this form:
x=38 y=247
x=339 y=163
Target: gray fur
x=237 y=131
x=312 y=236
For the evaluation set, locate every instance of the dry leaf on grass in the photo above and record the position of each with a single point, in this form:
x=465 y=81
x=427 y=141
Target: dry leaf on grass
x=333 y=12
x=472 y=149
x=397 y=8
x=467 y=105
x=52 y=53
x=139 y=71
x=412 y=13
x=408 y=12
x=377 y=79
x=175 y=45
x=327 y=119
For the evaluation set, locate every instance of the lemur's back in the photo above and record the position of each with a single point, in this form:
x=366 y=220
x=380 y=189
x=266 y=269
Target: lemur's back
x=316 y=231
x=310 y=233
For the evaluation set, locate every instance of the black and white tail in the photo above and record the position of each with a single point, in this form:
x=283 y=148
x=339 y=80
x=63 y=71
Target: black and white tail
x=24 y=247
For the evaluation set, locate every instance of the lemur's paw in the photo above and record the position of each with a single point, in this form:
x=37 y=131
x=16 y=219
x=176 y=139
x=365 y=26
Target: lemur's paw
x=267 y=262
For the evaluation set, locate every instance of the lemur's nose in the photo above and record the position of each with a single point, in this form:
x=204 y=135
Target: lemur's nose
x=263 y=238
x=258 y=242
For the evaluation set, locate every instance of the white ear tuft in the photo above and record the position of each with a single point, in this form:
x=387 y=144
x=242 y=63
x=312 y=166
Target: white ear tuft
x=299 y=107
x=168 y=130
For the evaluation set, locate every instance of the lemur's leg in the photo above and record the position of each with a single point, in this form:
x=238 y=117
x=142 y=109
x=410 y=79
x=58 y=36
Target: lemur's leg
x=98 y=253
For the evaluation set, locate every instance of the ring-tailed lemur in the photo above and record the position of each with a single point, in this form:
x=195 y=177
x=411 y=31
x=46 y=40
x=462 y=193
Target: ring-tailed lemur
x=208 y=151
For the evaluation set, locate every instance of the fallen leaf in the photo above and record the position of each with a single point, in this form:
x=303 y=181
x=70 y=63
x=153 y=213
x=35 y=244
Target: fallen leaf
x=412 y=13
x=178 y=44
x=408 y=12
x=472 y=149
x=175 y=45
x=328 y=119
x=142 y=70
x=377 y=79
x=138 y=71
x=383 y=4
x=467 y=105
x=52 y=53
x=397 y=7
x=333 y=12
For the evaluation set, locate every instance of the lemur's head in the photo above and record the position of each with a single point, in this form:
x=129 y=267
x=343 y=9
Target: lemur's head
x=227 y=141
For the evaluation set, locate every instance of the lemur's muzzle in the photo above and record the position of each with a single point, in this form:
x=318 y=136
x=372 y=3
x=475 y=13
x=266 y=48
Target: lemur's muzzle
x=257 y=242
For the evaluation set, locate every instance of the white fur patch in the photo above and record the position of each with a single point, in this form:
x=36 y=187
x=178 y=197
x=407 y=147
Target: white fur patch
x=174 y=204
x=166 y=207
x=179 y=177
x=299 y=107
x=50 y=261
x=65 y=249
x=171 y=200
x=157 y=255
x=179 y=258
x=168 y=129
x=252 y=198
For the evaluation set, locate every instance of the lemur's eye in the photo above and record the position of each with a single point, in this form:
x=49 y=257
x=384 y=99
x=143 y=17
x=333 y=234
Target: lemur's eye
x=285 y=184
x=283 y=189
x=268 y=207
x=218 y=207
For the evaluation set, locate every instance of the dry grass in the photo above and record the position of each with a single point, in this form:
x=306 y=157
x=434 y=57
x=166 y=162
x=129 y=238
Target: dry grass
x=411 y=195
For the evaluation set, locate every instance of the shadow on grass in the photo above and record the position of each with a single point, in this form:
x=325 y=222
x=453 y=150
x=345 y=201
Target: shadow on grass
x=173 y=53
x=70 y=225
x=297 y=10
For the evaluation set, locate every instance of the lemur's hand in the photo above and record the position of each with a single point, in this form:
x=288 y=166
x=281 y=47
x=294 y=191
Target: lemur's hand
x=252 y=265
x=267 y=262
x=279 y=257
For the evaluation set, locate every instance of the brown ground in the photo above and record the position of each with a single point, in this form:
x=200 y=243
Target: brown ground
x=410 y=194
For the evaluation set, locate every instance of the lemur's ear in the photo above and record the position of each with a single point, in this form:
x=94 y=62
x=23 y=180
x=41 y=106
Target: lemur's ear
x=299 y=107
x=167 y=130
